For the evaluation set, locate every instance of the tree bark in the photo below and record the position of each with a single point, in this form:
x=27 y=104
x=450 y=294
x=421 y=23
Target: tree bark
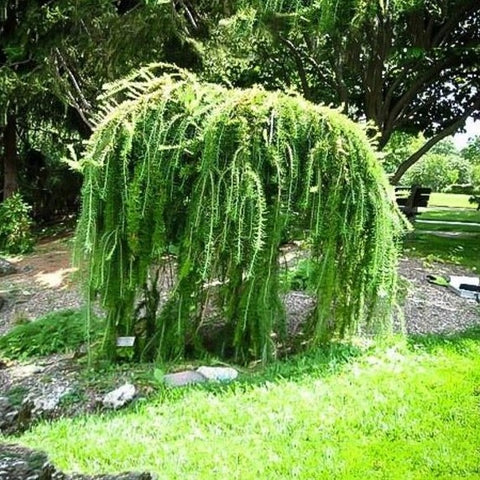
x=10 y=164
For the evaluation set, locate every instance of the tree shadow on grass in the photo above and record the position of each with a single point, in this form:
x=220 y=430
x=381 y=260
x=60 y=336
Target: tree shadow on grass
x=306 y=366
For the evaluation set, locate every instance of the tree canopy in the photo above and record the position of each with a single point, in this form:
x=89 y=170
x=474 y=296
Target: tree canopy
x=409 y=66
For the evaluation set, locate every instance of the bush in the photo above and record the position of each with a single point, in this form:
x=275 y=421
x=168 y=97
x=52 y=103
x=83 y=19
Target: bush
x=15 y=225
x=56 y=332
x=475 y=198
x=465 y=188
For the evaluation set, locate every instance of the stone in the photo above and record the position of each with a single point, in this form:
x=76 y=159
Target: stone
x=14 y=419
x=218 y=374
x=49 y=401
x=6 y=268
x=119 y=397
x=18 y=463
x=180 y=379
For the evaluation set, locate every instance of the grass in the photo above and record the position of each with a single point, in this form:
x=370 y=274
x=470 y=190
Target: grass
x=461 y=250
x=397 y=411
x=453 y=200
x=444 y=227
x=461 y=247
x=451 y=215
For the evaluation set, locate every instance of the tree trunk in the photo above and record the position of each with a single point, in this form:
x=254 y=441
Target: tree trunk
x=10 y=173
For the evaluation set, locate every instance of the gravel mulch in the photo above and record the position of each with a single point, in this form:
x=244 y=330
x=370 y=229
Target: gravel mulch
x=431 y=308
x=427 y=309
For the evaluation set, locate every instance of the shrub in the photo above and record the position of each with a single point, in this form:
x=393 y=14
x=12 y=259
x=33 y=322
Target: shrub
x=475 y=198
x=56 y=332
x=227 y=176
x=465 y=188
x=15 y=225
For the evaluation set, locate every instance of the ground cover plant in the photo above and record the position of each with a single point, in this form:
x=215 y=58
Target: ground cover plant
x=57 y=332
x=396 y=410
x=221 y=178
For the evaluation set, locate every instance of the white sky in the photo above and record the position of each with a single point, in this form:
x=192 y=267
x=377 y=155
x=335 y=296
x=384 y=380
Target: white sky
x=472 y=128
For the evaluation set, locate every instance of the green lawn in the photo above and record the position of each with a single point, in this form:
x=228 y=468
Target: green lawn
x=451 y=215
x=461 y=250
x=461 y=247
x=394 y=412
x=444 y=227
x=452 y=200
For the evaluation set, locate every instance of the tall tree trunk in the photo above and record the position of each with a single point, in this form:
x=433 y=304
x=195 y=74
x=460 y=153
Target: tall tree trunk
x=10 y=170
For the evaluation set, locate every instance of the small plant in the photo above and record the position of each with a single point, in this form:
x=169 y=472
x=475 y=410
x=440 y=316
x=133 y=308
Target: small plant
x=16 y=395
x=302 y=277
x=15 y=225
x=56 y=332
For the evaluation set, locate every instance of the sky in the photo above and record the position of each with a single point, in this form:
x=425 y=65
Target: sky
x=472 y=128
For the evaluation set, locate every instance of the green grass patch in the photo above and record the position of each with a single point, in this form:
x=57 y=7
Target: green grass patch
x=397 y=411
x=453 y=200
x=56 y=332
x=445 y=227
x=461 y=250
x=451 y=215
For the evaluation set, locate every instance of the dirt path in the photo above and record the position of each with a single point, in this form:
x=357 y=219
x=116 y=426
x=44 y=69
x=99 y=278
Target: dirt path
x=43 y=283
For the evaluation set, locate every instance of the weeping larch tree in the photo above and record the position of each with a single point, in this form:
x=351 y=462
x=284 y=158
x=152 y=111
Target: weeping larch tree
x=225 y=176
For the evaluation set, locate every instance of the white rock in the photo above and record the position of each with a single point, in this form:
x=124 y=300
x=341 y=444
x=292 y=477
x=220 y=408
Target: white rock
x=180 y=379
x=119 y=397
x=218 y=374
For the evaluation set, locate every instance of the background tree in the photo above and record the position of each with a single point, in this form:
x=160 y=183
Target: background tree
x=472 y=151
x=54 y=59
x=404 y=66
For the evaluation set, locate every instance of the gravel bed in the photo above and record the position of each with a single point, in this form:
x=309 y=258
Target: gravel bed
x=431 y=308
x=26 y=305
x=428 y=308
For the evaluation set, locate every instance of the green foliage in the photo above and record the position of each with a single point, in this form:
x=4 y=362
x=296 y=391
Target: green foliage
x=224 y=175
x=302 y=277
x=435 y=171
x=15 y=225
x=399 y=148
x=472 y=151
x=56 y=332
x=475 y=199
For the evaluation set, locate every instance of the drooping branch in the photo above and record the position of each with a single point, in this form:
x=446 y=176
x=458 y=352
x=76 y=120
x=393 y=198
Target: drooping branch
x=81 y=105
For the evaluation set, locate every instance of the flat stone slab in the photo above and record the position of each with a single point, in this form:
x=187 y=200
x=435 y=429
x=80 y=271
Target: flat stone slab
x=218 y=374
x=201 y=375
x=180 y=379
